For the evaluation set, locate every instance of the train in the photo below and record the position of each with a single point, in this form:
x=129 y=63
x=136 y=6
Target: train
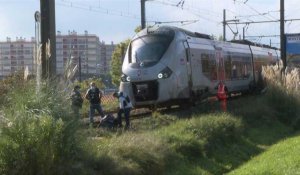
x=166 y=65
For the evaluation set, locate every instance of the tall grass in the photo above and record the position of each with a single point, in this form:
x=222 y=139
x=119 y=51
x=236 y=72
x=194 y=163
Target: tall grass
x=288 y=81
x=40 y=135
x=175 y=149
x=284 y=93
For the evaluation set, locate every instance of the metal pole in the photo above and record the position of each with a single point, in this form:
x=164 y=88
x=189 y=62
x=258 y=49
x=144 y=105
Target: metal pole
x=37 y=58
x=47 y=8
x=224 y=25
x=282 y=35
x=79 y=67
x=143 y=14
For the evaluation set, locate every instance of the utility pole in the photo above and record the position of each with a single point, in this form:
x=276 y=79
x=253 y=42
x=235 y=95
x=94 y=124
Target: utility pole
x=282 y=35
x=224 y=25
x=143 y=14
x=79 y=67
x=47 y=8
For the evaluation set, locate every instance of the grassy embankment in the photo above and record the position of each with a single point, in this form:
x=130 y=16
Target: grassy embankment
x=282 y=158
x=39 y=136
x=202 y=142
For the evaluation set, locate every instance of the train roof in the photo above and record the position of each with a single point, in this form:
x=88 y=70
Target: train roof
x=189 y=33
x=247 y=42
x=196 y=34
x=205 y=36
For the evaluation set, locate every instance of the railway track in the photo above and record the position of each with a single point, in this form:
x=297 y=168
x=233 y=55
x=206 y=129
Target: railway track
x=145 y=112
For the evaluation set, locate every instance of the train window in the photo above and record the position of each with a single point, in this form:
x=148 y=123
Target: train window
x=228 y=66
x=205 y=64
x=148 y=50
x=213 y=68
x=240 y=67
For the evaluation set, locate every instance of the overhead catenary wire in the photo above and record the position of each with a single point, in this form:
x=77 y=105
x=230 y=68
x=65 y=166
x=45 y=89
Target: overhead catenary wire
x=263 y=36
x=257 y=22
x=251 y=15
x=194 y=11
x=254 y=10
x=205 y=14
x=256 y=15
x=169 y=22
x=97 y=9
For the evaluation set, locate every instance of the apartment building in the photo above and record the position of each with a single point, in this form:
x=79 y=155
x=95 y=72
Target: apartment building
x=94 y=55
x=106 y=53
x=85 y=47
x=16 y=56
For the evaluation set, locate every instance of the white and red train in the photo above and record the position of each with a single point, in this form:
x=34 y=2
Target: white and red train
x=167 y=65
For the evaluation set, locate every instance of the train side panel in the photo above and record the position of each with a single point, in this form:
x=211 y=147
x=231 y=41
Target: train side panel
x=238 y=67
x=262 y=57
x=201 y=53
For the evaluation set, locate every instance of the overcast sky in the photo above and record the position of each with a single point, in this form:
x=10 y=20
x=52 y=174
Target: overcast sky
x=115 y=20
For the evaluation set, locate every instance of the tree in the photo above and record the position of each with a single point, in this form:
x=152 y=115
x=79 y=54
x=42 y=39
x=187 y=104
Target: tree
x=117 y=60
x=138 y=29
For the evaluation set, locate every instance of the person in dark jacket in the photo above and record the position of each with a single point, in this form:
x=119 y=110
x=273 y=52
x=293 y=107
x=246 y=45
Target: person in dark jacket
x=76 y=101
x=94 y=96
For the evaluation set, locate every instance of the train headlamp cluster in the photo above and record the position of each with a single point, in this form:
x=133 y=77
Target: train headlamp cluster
x=165 y=73
x=125 y=78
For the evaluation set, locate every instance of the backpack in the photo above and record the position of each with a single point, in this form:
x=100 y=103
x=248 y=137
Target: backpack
x=94 y=95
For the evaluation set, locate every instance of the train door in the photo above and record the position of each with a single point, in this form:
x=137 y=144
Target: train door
x=220 y=64
x=188 y=64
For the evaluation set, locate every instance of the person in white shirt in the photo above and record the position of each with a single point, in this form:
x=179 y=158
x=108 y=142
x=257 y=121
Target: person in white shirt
x=124 y=108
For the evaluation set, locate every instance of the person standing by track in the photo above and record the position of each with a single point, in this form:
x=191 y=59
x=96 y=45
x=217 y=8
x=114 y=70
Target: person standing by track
x=76 y=101
x=124 y=108
x=94 y=96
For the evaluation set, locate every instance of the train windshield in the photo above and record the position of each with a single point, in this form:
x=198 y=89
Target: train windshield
x=148 y=50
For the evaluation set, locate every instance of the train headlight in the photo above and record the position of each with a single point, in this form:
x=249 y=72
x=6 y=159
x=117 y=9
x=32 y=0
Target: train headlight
x=125 y=78
x=165 y=73
x=160 y=75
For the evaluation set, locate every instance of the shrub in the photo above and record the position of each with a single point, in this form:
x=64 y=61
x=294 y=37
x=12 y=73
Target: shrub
x=37 y=145
x=42 y=137
x=215 y=130
x=283 y=94
x=9 y=84
x=131 y=154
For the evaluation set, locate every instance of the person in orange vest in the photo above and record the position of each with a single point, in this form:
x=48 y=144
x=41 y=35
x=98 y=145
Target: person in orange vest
x=221 y=94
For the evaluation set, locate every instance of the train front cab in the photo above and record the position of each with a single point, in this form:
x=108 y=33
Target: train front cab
x=152 y=69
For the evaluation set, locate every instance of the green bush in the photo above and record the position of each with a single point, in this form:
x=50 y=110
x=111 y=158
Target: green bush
x=285 y=104
x=199 y=136
x=185 y=143
x=37 y=145
x=131 y=154
x=41 y=136
x=9 y=84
